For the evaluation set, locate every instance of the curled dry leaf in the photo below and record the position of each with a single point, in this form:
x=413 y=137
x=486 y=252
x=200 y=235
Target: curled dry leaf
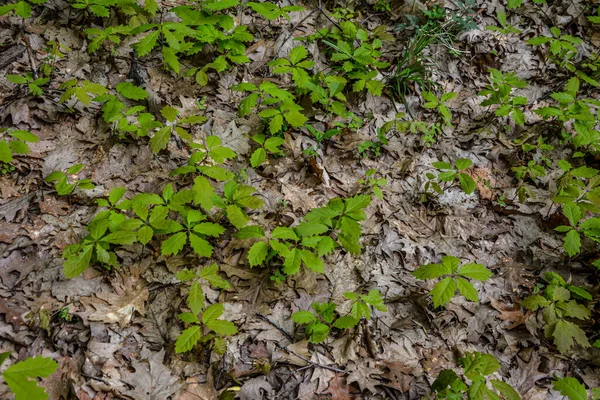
x=510 y=313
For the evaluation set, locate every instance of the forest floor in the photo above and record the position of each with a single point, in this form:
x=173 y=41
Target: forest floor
x=113 y=333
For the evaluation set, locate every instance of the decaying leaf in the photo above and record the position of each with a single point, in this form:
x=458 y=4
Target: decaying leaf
x=511 y=314
x=362 y=372
x=117 y=308
x=399 y=376
x=255 y=388
x=151 y=380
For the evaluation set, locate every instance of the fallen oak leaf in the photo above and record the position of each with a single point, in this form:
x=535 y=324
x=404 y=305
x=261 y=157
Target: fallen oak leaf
x=111 y=307
x=399 y=376
x=361 y=373
x=511 y=314
x=151 y=380
x=339 y=389
x=51 y=205
x=195 y=390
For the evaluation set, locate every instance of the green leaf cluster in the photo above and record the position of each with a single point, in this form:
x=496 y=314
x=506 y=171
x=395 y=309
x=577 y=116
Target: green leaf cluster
x=429 y=131
x=281 y=107
x=322 y=230
x=171 y=216
x=505 y=28
x=194 y=231
x=201 y=25
x=474 y=384
x=14 y=141
x=373 y=147
x=450 y=174
x=271 y=11
x=107 y=229
x=20 y=8
x=572 y=389
x=575 y=116
x=320 y=137
x=66 y=183
x=455 y=278
x=518 y=3
x=208 y=328
x=127 y=119
x=33 y=83
x=559 y=303
x=297 y=65
x=269 y=145
x=374 y=184
x=237 y=198
x=21 y=377
x=84 y=91
x=580 y=186
x=206 y=159
x=174 y=125
x=342 y=217
x=499 y=92
x=356 y=52
x=578 y=226
x=319 y=322
x=433 y=103
x=562 y=47
x=99 y=8
x=532 y=170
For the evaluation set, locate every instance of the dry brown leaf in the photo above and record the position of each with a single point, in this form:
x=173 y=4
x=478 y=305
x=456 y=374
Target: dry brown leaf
x=16 y=267
x=117 y=307
x=51 y=205
x=300 y=199
x=253 y=389
x=8 y=188
x=361 y=372
x=8 y=232
x=151 y=379
x=194 y=390
x=10 y=208
x=510 y=313
x=13 y=312
x=344 y=349
x=300 y=348
x=399 y=376
x=321 y=376
x=339 y=389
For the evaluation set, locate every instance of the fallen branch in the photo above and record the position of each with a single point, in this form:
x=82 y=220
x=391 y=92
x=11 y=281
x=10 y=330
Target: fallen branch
x=264 y=318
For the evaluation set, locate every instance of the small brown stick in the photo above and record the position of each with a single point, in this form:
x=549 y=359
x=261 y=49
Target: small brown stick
x=296 y=27
x=96 y=379
x=31 y=58
x=320 y=9
x=310 y=363
x=389 y=392
x=368 y=339
x=221 y=371
x=264 y=318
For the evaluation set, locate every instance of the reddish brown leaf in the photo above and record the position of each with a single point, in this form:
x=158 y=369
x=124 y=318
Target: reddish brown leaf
x=339 y=389
x=399 y=376
x=510 y=314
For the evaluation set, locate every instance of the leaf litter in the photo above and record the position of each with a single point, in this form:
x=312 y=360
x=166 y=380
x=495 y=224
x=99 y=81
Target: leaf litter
x=120 y=342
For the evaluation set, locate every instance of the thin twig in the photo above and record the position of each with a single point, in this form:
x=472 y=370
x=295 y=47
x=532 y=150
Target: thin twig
x=389 y=392
x=328 y=17
x=31 y=57
x=296 y=27
x=320 y=9
x=264 y=318
x=223 y=369
x=96 y=379
x=311 y=363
